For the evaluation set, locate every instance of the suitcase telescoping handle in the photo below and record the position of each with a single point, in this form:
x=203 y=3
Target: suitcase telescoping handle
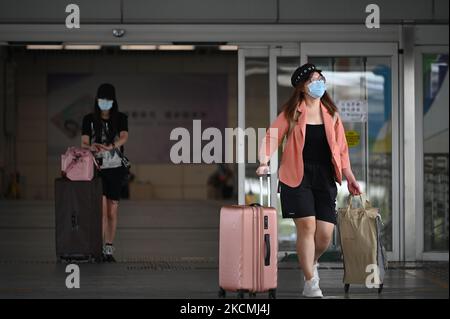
x=261 y=182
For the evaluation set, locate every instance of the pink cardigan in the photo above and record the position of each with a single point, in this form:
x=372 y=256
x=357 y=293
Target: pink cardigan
x=291 y=167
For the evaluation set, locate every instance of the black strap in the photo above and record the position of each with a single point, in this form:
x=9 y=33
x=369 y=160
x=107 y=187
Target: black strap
x=98 y=137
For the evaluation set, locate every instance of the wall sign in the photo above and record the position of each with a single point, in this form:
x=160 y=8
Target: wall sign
x=353 y=138
x=353 y=110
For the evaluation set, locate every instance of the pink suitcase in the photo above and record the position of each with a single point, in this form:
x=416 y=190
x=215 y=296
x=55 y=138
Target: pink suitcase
x=248 y=249
x=77 y=164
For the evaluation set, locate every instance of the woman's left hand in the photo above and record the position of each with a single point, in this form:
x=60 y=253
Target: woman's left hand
x=353 y=187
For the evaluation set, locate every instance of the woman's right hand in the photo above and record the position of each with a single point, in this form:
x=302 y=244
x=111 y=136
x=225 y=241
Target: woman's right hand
x=263 y=169
x=95 y=147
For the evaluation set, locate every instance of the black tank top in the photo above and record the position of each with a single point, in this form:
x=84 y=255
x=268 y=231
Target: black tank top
x=316 y=149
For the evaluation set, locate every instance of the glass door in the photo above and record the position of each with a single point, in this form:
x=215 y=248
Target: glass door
x=362 y=81
x=432 y=78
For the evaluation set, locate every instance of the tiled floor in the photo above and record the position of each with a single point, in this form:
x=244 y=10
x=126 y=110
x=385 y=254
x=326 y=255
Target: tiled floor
x=165 y=250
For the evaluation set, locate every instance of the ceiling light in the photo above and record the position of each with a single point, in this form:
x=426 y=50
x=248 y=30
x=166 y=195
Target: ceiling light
x=138 y=47
x=176 y=47
x=44 y=47
x=228 y=47
x=82 y=47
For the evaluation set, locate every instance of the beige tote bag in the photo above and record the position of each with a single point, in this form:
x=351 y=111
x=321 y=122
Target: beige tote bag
x=360 y=237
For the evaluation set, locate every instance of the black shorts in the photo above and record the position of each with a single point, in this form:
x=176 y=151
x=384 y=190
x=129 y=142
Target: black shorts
x=315 y=196
x=112 y=179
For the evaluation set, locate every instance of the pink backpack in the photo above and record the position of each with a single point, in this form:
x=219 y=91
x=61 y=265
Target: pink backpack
x=77 y=164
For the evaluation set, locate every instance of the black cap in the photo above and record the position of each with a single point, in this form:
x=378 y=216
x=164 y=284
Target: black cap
x=106 y=91
x=302 y=73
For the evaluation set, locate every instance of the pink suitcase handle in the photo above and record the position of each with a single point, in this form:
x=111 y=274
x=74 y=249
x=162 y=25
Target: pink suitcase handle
x=267 y=254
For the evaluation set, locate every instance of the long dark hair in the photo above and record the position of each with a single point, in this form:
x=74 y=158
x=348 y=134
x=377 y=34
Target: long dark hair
x=114 y=117
x=297 y=97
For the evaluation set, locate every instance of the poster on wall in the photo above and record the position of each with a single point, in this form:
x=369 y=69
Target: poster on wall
x=155 y=104
x=353 y=110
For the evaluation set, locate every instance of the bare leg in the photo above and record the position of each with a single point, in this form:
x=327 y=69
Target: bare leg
x=104 y=218
x=306 y=228
x=324 y=232
x=113 y=206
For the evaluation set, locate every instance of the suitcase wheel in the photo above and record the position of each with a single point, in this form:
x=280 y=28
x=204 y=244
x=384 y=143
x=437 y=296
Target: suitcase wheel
x=241 y=294
x=346 y=288
x=272 y=294
x=380 y=289
x=222 y=293
x=252 y=295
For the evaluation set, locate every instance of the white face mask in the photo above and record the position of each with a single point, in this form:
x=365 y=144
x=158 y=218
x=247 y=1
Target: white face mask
x=317 y=88
x=105 y=104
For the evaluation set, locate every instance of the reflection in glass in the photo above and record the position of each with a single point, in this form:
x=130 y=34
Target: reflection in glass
x=435 y=148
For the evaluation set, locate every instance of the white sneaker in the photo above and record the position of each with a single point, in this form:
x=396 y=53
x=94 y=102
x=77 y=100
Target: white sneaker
x=108 y=253
x=315 y=272
x=109 y=249
x=311 y=289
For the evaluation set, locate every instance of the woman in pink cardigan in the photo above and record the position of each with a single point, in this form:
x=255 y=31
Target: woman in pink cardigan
x=315 y=157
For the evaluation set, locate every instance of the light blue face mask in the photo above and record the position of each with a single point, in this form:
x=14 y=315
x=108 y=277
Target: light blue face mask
x=317 y=88
x=104 y=104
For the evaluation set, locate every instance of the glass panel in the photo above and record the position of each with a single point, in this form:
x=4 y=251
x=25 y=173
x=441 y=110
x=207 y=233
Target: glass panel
x=361 y=88
x=435 y=148
x=256 y=116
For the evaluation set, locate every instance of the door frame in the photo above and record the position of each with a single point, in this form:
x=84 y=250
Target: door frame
x=419 y=169
x=243 y=53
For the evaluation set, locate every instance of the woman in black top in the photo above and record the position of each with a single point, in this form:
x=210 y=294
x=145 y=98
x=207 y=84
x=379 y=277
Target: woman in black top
x=312 y=204
x=104 y=132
